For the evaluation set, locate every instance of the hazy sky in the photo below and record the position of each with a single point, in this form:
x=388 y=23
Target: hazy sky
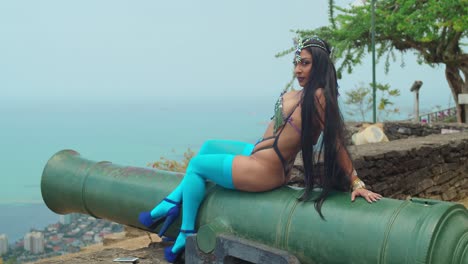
x=137 y=51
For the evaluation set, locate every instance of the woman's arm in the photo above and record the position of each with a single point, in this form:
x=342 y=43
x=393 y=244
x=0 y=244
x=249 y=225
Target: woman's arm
x=344 y=159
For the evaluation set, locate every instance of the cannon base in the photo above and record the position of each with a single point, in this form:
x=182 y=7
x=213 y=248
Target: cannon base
x=234 y=250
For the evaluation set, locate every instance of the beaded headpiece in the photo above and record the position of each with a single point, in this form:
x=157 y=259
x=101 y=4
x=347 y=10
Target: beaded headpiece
x=314 y=42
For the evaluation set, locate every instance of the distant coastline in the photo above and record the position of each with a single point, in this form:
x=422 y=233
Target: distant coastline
x=19 y=218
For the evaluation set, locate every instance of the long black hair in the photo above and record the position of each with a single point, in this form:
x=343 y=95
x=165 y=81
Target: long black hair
x=333 y=176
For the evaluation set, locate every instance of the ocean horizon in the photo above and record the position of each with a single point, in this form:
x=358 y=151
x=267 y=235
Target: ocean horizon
x=128 y=135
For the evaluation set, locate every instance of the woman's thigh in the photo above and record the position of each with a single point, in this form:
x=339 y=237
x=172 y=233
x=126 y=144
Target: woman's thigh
x=248 y=174
x=220 y=147
x=236 y=172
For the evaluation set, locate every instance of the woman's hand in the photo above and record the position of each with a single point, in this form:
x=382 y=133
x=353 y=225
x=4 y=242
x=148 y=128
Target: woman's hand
x=366 y=194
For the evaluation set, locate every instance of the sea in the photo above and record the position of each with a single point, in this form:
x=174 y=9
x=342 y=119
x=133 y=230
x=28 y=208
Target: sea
x=125 y=133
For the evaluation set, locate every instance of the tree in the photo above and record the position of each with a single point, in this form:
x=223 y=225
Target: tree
x=360 y=100
x=433 y=29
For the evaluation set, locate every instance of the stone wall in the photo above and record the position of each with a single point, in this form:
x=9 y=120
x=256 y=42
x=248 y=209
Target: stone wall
x=400 y=130
x=434 y=166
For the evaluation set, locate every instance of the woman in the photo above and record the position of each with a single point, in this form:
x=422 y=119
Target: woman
x=300 y=117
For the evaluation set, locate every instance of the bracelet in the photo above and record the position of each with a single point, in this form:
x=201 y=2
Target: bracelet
x=357 y=183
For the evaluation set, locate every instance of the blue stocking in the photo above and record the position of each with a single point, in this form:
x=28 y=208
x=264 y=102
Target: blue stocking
x=225 y=147
x=214 y=167
x=209 y=147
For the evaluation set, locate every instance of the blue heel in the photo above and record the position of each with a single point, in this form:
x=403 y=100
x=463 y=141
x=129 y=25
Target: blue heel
x=145 y=218
x=171 y=216
x=172 y=257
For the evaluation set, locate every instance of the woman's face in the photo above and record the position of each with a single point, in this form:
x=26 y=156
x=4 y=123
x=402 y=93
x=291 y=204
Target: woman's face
x=303 y=67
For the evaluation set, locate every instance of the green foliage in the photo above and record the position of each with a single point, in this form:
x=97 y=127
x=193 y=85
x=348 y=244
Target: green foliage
x=173 y=165
x=359 y=101
x=433 y=28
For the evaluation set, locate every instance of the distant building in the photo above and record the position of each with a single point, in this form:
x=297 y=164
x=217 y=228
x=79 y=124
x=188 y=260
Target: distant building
x=88 y=236
x=27 y=242
x=67 y=219
x=3 y=244
x=34 y=242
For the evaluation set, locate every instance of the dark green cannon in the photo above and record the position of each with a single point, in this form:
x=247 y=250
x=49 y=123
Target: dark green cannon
x=390 y=231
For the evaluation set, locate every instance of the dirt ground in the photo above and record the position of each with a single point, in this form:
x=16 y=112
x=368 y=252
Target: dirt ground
x=148 y=248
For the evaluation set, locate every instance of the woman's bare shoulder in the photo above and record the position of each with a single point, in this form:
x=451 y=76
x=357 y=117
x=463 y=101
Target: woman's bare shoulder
x=295 y=94
x=291 y=100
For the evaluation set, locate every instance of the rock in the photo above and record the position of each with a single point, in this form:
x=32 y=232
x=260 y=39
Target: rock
x=449 y=195
x=404 y=131
x=423 y=185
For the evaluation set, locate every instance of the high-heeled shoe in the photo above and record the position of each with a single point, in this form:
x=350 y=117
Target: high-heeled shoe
x=172 y=257
x=145 y=218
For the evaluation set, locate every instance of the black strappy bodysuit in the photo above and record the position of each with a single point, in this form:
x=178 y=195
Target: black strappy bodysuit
x=287 y=120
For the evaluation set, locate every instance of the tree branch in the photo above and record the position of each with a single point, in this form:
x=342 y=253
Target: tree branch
x=453 y=44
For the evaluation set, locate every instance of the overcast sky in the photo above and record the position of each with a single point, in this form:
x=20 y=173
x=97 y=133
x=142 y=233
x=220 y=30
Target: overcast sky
x=137 y=51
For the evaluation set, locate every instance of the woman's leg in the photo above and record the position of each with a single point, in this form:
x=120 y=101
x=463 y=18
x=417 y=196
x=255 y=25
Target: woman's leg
x=209 y=147
x=217 y=146
x=214 y=167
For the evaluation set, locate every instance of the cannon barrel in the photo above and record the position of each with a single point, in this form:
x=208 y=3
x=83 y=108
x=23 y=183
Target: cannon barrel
x=390 y=231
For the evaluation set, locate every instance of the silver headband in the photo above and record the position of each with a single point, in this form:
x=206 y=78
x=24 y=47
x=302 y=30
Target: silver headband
x=317 y=42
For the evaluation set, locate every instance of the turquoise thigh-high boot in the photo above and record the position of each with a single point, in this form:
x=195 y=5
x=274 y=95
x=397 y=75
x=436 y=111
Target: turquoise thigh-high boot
x=168 y=209
x=213 y=167
x=209 y=147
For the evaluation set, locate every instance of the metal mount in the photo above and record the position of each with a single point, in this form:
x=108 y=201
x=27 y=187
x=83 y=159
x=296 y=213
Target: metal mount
x=234 y=250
